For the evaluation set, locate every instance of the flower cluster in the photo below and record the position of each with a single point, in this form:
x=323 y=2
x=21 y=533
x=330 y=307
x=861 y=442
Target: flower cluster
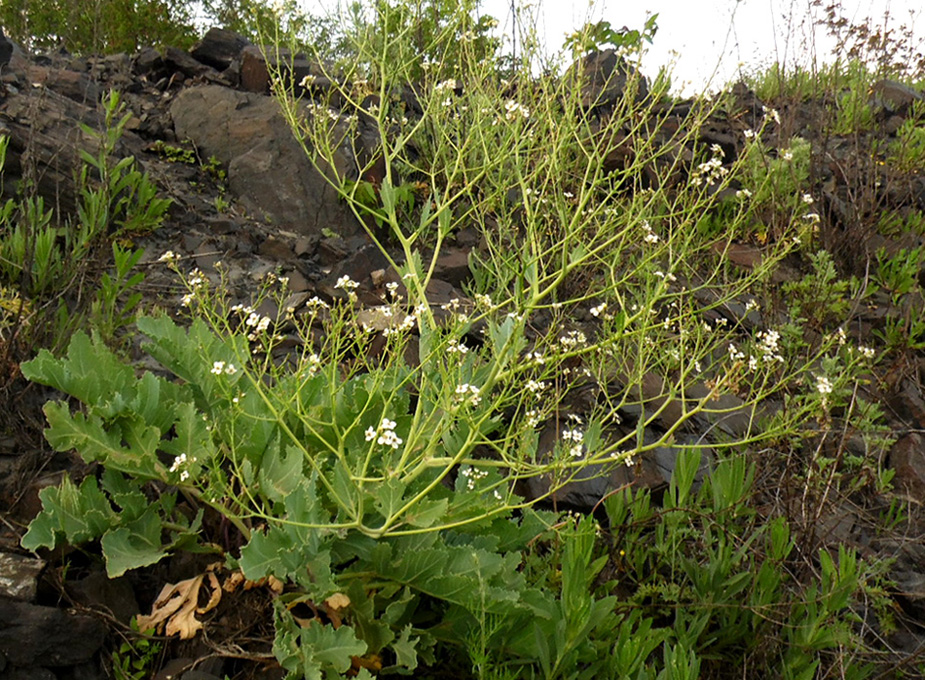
x=651 y=236
x=572 y=339
x=180 y=462
x=712 y=171
x=513 y=110
x=384 y=434
x=768 y=346
x=456 y=347
x=219 y=367
x=472 y=475
x=824 y=387
x=574 y=440
x=468 y=394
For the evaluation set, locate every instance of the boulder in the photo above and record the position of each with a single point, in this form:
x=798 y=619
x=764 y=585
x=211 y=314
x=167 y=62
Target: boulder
x=268 y=170
x=19 y=576
x=219 y=47
x=6 y=49
x=31 y=635
x=604 y=77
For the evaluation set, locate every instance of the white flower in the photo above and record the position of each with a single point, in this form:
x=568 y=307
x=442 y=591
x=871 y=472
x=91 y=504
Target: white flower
x=456 y=347
x=469 y=394
x=346 y=283
x=576 y=442
x=823 y=385
x=787 y=155
x=811 y=217
x=384 y=434
x=572 y=339
x=177 y=462
x=316 y=303
x=596 y=311
x=218 y=367
x=743 y=193
x=808 y=199
x=867 y=352
x=769 y=345
x=169 y=256
x=514 y=110
x=535 y=386
x=749 y=134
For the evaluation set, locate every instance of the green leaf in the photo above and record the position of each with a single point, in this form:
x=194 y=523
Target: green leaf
x=96 y=443
x=309 y=652
x=136 y=544
x=79 y=514
x=91 y=373
x=388 y=497
x=280 y=473
x=404 y=648
x=426 y=513
x=474 y=578
x=333 y=646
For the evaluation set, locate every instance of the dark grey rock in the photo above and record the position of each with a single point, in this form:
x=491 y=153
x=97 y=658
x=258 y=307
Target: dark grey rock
x=219 y=47
x=604 y=76
x=6 y=49
x=894 y=97
x=31 y=635
x=181 y=61
x=19 y=576
x=99 y=591
x=34 y=673
x=268 y=170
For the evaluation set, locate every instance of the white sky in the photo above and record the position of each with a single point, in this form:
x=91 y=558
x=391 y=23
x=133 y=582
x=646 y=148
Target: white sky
x=707 y=40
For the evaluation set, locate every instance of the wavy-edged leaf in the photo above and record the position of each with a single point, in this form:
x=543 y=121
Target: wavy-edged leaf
x=133 y=545
x=79 y=514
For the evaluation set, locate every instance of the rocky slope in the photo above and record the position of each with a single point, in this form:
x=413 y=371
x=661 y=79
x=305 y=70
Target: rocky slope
x=204 y=126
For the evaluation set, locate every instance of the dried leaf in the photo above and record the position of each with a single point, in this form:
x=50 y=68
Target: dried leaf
x=216 y=595
x=176 y=602
x=233 y=581
x=176 y=606
x=337 y=601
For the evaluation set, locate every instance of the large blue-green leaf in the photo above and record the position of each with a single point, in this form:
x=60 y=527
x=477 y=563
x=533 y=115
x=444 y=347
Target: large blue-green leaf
x=76 y=514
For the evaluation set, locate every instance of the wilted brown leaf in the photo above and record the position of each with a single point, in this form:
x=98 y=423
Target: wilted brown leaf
x=175 y=608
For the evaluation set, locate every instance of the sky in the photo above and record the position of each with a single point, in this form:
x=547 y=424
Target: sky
x=707 y=42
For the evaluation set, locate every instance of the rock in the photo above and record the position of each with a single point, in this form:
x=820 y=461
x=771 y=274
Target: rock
x=44 y=132
x=19 y=576
x=146 y=61
x=219 y=47
x=453 y=266
x=894 y=97
x=181 y=61
x=71 y=84
x=256 y=70
x=6 y=49
x=31 y=635
x=604 y=77
x=99 y=591
x=907 y=459
x=28 y=674
x=268 y=171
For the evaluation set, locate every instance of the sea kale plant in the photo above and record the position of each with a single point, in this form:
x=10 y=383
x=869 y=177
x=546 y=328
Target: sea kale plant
x=375 y=459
